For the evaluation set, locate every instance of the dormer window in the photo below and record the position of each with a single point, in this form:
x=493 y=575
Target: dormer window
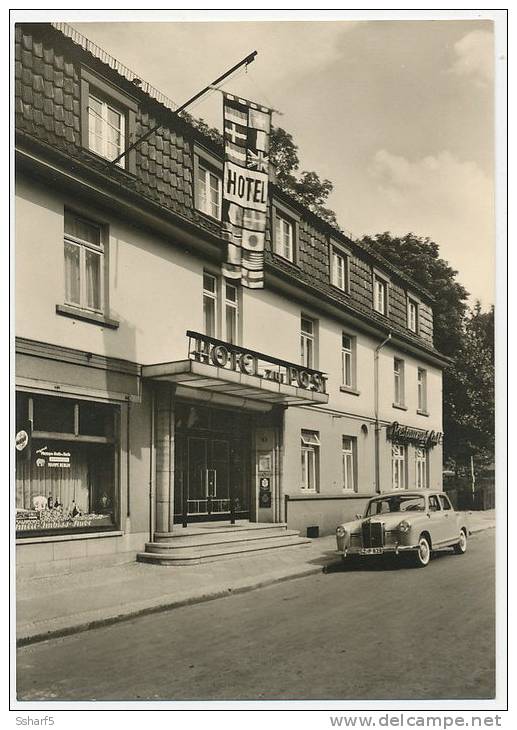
x=108 y=120
x=106 y=129
x=412 y=315
x=208 y=191
x=339 y=269
x=380 y=295
x=284 y=237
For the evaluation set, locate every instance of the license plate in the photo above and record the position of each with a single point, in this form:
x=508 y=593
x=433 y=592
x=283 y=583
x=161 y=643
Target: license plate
x=371 y=551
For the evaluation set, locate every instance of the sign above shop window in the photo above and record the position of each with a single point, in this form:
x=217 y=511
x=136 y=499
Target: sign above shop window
x=224 y=355
x=407 y=435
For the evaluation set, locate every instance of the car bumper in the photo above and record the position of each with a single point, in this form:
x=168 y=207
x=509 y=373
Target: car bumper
x=386 y=550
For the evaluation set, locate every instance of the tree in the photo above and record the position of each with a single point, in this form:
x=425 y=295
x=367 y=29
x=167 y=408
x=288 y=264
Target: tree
x=308 y=189
x=469 y=399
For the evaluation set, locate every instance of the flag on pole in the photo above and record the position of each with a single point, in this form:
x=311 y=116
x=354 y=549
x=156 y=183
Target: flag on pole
x=247 y=127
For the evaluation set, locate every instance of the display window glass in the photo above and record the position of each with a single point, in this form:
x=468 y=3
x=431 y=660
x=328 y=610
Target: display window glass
x=66 y=472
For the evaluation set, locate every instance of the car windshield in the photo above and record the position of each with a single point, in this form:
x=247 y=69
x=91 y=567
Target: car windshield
x=395 y=503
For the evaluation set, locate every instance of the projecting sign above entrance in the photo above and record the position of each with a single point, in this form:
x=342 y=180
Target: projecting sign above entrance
x=225 y=355
x=227 y=374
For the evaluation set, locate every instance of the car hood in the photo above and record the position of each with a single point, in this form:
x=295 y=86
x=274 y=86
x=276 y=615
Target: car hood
x=390 y=520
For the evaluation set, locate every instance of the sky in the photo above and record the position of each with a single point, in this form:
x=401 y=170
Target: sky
x=397 y=114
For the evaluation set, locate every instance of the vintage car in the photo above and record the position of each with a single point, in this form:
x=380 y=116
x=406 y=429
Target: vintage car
x=405 y=522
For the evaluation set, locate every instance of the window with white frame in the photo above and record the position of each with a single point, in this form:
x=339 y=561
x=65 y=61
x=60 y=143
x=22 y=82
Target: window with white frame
x=84 y=263
x=106 y=129
x=210 y=304
x=310 y=448
x=421 y=468
x=422 y=390
x=398 y=462
x=231 y=312
x=412 y=315
x=380 y=295
x=208 y=192
x=398 y=381
x=307 y=342
x=284 y=237
x=347 y=361
x=348 y=448
x=339 y=272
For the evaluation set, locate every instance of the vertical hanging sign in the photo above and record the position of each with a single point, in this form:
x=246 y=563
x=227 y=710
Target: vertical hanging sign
x=245 y=188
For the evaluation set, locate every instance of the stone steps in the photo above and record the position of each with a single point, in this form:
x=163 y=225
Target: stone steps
x=221 y=544
x=213 y=537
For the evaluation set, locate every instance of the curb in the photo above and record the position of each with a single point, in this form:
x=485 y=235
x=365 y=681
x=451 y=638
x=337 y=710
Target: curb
x=161 y=607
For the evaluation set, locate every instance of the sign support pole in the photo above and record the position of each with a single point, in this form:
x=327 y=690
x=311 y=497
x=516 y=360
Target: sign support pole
x=245 y=62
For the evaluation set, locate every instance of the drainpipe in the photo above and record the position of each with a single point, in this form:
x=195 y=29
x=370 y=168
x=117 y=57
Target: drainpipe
x=151 y=468
x=377 y=425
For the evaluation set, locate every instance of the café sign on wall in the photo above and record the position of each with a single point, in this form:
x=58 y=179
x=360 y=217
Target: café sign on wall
x=227 y=356
x=407 y=435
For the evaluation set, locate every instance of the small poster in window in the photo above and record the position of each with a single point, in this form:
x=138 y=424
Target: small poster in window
x=264 y=462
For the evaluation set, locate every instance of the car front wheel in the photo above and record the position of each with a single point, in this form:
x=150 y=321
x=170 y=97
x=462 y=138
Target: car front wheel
x=423 y=554
x=461 y=546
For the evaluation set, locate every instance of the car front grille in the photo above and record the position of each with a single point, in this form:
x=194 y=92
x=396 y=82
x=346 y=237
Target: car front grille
x=372 y=534
x=355 y=541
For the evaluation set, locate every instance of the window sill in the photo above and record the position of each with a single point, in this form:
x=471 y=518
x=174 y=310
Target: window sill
x=400 y=406
x=75 y=313
x=346 y=292
x=423 y=413
x=209 y=216
x=350 y=391
x=67 y=538
x=284 y=258
x=120 y=168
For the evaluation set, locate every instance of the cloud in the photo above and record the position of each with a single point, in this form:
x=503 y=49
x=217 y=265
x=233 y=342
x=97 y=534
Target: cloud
x=474 y=56
x=442 y=197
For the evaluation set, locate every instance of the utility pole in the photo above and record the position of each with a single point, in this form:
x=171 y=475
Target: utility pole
x=245 y=62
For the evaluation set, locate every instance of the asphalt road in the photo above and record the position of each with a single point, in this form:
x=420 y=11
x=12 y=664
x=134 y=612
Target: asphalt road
x=369 y=632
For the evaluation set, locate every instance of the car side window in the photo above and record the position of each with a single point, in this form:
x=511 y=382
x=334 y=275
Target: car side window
x=445 y=502
x=434 y=505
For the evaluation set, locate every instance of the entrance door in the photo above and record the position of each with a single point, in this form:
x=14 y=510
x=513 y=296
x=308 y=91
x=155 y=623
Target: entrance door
x=212 y=469
x=208 y=487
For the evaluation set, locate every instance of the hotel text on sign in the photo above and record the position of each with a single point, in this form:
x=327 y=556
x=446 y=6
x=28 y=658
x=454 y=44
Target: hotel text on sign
x=224 y=355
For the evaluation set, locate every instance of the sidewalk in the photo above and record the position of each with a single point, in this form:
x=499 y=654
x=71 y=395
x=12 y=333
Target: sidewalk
x=57 y=606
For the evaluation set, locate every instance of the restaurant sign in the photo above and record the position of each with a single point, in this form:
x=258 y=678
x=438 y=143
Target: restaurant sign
x=232 y=357
x=417 y=436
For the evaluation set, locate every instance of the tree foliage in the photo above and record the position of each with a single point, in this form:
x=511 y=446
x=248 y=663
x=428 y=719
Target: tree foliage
x=308 y=188
x=469 y=399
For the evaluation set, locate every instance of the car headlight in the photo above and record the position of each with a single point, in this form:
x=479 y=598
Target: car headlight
x=340 y=531
x=404 y=526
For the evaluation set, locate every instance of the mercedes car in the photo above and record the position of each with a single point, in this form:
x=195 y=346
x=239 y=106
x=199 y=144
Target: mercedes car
x=412 y=523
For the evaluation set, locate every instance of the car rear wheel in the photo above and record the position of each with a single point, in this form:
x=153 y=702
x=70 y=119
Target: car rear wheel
x=461 y=546
x=423 y=554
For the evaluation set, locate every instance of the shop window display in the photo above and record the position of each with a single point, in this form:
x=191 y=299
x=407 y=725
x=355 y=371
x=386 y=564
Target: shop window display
x=66 y=473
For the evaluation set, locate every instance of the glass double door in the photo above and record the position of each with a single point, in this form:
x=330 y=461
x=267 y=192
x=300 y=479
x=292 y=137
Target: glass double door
x=210 y=478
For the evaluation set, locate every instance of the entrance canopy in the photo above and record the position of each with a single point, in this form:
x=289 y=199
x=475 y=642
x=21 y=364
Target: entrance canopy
x=214 y=366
